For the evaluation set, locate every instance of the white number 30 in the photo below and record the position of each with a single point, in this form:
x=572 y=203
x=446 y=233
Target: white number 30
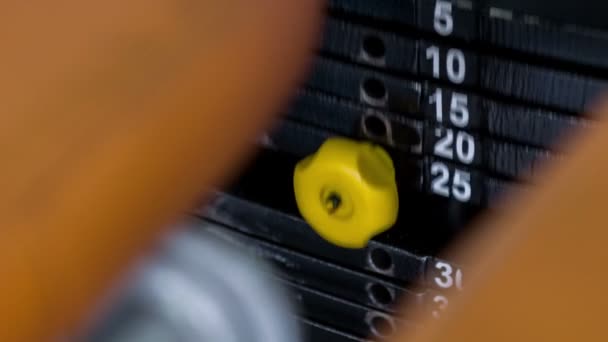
x=448 y=278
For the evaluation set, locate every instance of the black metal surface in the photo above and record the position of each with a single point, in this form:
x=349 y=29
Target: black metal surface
x=351 y=119
x=292 y=232
x=541 y=37
x=496 y=120
x=494 y=157
x=304 y=270
x=316 y=332
x=370 y=46
x=367 y=86
x=411 y=136
x=526 y=125
x=349 y=317
x=553 y=88
x=388 y=255
x=582 y=12
x=401 y=11
x=561 y=30
x=521 y=82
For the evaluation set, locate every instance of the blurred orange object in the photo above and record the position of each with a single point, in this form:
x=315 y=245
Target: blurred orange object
x=116 y=116
x=539 y=265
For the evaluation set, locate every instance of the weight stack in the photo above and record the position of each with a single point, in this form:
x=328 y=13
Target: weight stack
x=469 y=98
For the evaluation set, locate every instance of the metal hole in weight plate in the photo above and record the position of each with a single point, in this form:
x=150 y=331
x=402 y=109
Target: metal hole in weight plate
x=375 y=126
x=382 y=326
x=374 y=88
x=380 y=294
x=381 y=260
x=373 y=47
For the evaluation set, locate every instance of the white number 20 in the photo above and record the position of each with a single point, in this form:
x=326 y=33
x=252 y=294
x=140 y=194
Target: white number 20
x=464 y=145
x=443 y=22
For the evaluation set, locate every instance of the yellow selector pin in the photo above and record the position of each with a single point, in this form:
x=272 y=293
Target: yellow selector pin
x=347 y=191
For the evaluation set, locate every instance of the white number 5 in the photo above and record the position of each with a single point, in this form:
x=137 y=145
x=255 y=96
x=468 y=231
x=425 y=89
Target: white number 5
x=443 y=21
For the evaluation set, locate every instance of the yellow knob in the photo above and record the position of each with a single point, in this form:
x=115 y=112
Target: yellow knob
x=347 y=191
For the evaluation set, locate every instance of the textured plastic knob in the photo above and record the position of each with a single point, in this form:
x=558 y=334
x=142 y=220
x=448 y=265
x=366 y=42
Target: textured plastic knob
x=347 y=192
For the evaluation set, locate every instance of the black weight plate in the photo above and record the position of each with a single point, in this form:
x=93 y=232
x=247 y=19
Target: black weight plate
x=347 y=316
x=515 y=161
x=522 y=81
x=369 y=46
x=315 y=332
x=366 y=86
x=525 y=82
x=518 y=124
x=543 y=38
x=457 y=146
x=551 y=88
x=292 y=232
x=530 y=126
x=398 y=11
x=510 y=26
x=534 y=30
x=296 y=139
x=581 y=12
x=497 y=190
x=317 y=274
x=356 y=121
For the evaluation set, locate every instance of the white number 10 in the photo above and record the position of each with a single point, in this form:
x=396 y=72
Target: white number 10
x=456 y=68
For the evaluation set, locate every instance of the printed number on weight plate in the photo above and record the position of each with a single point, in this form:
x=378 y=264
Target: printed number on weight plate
x=447 y=184
x=440 y=305
x=459 y=111
x=454 y=145
x=455 y=64
x=443 y=22
x=449 y=276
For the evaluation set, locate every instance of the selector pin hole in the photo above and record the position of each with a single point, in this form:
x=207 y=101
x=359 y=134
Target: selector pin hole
x=380 y=294
x=333 y=202
x=374 y=89
x=373 y=47
x=381 y=260
x=375 y=126
x=382 y=326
